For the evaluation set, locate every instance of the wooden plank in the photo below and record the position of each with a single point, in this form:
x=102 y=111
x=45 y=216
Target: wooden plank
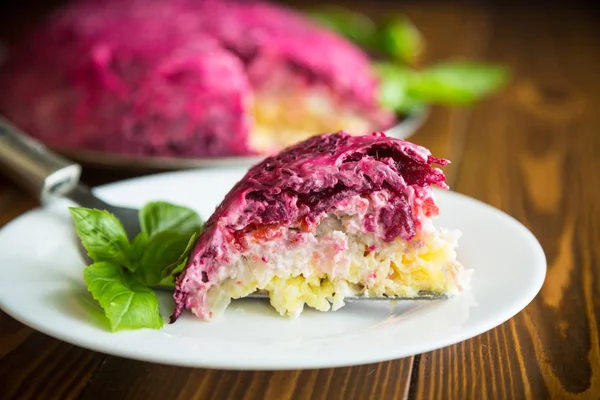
x=533 y=152
x=13 y=201
x=135 y=380
x=33 y=365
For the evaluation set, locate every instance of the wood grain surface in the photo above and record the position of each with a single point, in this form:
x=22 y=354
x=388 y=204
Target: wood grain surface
x=539 y=141
x=530 y=151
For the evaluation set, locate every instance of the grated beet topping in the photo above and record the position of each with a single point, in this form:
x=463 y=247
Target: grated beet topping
x=307 y=179
x=301 y=184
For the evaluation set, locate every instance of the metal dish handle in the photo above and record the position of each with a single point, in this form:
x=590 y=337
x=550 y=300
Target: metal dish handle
x=33 y=166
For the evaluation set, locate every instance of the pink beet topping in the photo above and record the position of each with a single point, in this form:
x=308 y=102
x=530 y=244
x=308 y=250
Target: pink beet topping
x=269 y=37
x=170 y=78
x=130 y=77
x=304 y=182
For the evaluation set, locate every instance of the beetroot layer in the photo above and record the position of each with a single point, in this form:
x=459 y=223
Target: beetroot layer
x=304 y=182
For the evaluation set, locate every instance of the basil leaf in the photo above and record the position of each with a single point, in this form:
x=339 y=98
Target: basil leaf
x=159 y=216
x=94 y=313
x=168 y=279
x=401 y=40
x=137 y=250
x=126 y=303
x=162 y=250
x=353 y=25
x=394 y=88
x=170 y=271
x=102 y=235
x=457 y=82
x=179 y=266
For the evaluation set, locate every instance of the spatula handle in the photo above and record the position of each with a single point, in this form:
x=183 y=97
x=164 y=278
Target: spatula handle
x=33 y=166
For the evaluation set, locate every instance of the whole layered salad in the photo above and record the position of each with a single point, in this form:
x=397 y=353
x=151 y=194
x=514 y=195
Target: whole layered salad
x=216 y=78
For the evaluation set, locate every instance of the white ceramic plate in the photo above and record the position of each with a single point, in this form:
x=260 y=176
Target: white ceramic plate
x=41 y=286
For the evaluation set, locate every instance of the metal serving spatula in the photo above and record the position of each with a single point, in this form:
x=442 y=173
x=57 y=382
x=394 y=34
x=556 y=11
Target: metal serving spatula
x=46 y=176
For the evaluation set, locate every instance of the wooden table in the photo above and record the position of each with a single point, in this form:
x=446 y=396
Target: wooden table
x=531 y=151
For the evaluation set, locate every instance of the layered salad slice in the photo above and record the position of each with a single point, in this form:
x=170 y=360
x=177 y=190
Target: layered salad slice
x=333 y=216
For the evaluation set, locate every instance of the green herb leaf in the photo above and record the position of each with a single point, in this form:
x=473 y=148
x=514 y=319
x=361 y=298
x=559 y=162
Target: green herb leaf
x=171 y=270
x=394 y=88
x=457 y=82
x=355 y=26
x=137 y=250
x=94 y=313
x=159 y=216
x=163 y=249
x=102 y=235
x=179 y=266
x=168 y=279
x=401 y=40
x=126 y=303
x=122 y=271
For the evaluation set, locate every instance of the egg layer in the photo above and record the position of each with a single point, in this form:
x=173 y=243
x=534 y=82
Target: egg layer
x=324 y=267
x=286 y=116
